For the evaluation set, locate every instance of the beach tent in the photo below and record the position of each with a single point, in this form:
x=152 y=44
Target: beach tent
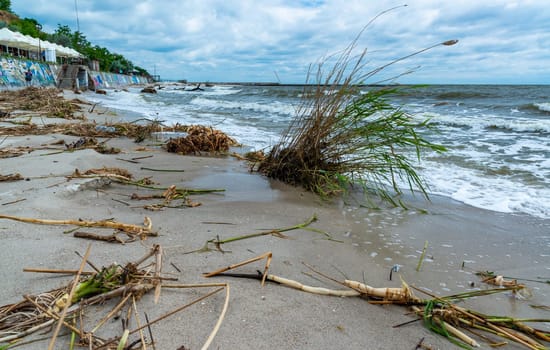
x=25 y=42
x=14 y=39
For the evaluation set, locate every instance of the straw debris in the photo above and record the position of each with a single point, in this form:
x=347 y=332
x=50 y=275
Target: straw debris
x=11 y=177
x=128 y=283
x=48 y=102
x=201 y=139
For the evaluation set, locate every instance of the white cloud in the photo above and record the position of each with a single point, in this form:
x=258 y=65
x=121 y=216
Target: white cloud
x=501 y=41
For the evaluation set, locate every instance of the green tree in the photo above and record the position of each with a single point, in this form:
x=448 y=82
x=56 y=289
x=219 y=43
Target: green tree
x=5 y=5
x=28 y=26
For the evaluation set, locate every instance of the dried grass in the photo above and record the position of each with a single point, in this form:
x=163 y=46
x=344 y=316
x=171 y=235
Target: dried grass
x=48 y=102
x=201 y=139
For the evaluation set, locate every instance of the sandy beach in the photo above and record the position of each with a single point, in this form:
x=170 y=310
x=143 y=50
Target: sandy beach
x=366 y=244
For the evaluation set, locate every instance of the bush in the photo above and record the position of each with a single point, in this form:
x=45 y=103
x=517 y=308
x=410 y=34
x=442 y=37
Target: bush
x=341 y=137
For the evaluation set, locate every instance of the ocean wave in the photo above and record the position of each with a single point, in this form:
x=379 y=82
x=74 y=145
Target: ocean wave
x=489 y=122
x=545 y=106
x=274 y=107
x=462 y=95
x=497 y=193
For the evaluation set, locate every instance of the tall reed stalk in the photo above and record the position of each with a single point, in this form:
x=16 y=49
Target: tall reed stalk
x=342 y=135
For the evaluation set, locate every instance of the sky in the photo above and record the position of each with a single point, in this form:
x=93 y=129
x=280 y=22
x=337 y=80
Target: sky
x=500 y=41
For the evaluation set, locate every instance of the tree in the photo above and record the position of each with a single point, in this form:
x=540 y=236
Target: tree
x=5 y=5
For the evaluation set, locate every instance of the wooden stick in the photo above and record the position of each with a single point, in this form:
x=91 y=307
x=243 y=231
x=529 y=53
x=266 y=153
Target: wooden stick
x=66 y=272
x=135 y=229
x=113 y=312
x=138 y=322
x=230 y=267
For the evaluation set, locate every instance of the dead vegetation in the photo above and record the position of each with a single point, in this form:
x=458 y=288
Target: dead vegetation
x=441 y=315
x=48 y=102
x=69 y=307
x=201 y=139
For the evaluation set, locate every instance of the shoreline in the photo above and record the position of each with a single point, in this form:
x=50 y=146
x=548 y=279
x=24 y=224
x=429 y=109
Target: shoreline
x=372 y=242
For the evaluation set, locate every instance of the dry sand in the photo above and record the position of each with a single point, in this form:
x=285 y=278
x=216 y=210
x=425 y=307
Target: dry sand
x=272 y=317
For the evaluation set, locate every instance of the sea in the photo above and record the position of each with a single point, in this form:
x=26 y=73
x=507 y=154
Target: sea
x=497 y=136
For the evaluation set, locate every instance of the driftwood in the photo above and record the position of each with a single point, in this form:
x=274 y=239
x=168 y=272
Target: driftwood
x=11 y=177
x=141 y=230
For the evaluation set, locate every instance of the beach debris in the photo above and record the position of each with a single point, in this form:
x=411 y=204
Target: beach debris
x=440 y=314
x=11 y=177
x=142 y=231
x=48 y=102
x=129 y=283
x=200 y=139
x=125 y=177
x=276 y=232
x=169 y=195
x=82 y=143
x=149 y=90
x=15 y=152
x=489 y=275
x=105 y=172
x=422 y=255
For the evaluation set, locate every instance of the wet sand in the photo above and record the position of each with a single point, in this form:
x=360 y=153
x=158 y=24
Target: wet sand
x=371 y=242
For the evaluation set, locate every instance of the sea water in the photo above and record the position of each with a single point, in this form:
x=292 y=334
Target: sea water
x=497 y=136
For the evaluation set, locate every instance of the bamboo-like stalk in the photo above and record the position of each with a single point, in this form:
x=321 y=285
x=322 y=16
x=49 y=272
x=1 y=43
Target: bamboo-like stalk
x=145 y=229
x=460 y=335
x=138 y=323
x=310 y=289
x=59 y=271
x=158 y=270
x=219 y=321
x=401 y=295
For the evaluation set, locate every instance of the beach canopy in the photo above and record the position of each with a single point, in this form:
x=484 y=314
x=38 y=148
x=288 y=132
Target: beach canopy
x=25 y=42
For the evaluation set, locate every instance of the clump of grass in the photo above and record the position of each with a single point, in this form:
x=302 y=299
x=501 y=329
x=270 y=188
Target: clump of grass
x=343 y=136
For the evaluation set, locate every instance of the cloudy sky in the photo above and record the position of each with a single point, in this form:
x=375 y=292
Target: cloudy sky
x=500 y=41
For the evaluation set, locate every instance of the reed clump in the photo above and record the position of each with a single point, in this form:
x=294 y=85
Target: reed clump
x=347 y=132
